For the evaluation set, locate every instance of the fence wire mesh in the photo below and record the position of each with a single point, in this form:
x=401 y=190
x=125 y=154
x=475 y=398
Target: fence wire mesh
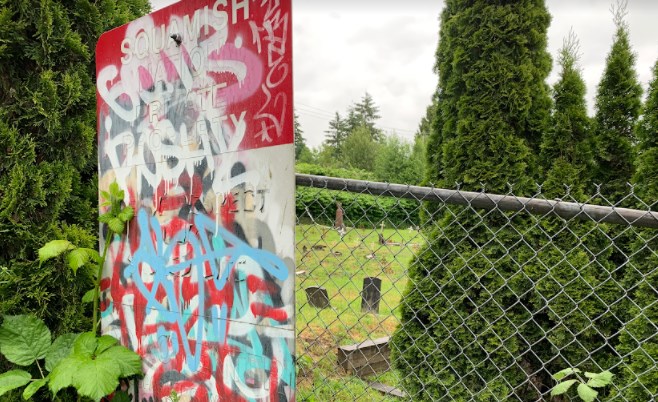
x=413 y=293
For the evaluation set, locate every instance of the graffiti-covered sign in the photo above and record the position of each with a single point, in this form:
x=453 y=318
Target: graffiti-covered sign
x=195 y=125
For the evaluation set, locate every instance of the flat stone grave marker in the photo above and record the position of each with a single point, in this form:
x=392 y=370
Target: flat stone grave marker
x=317 y=297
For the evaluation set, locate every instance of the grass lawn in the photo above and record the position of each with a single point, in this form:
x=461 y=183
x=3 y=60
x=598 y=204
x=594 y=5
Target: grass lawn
x=339 y=265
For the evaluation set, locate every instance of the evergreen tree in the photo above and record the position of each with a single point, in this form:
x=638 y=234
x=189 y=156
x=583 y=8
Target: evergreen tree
x=301 y=150
x=572 y=255
x=646 y=166
x=566 y=148
x=336 y=135
x=48 y=136
x=638 y=343
x=418 y=158
x=465 y=326
x=361 y=115
x=618 y=103
x=364 y=113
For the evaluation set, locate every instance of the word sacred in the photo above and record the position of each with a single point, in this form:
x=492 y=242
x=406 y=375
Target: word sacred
x=153 y=42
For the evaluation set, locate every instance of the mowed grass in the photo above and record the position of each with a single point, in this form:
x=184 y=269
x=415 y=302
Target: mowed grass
x=339 y=265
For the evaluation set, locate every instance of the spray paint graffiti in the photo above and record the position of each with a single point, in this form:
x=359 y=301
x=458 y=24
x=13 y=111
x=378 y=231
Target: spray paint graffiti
x=198 y=130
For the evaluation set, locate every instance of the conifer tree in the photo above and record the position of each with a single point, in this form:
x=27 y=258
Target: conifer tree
x=47 y=138
x=566 y=154
x=300 y=141
x=364 y=113
x=618 y=103
x=574 y=261
x=646 y=164
x=336 y=135
x=466 y=297
x=638 y=343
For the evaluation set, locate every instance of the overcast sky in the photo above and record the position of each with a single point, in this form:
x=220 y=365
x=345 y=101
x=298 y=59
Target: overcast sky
x=344 y=48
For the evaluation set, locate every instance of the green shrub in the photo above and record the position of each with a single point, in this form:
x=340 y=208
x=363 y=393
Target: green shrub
x=343 y=173
x=364 y=211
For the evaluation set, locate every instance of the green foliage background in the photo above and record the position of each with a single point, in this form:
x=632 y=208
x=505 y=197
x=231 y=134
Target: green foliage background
x=47 y=149
x=361 y=210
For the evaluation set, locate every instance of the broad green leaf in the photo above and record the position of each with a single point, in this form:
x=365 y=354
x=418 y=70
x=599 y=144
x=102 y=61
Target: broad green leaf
x=116 y=225
x=96 y=378
x=81 y=256
x=62 y=375
x=105 y=218
x=562 y=387
x=598 y=380
x=114 y=188
x=563 y=373
x=24 y=339
x=60 y=349
x=33 y=387
x=129 y=362
x=104 y=343
x=586 y=393
x=94 y=375
x=53 y=249
x=105 y=195
x=89 y=296
x=126 y=214
x=85 y=345
x=13 y=379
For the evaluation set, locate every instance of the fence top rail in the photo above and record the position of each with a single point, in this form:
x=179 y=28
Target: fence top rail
x=536 y=206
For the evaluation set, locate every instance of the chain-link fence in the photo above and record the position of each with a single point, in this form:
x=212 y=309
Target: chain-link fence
x=413 y=293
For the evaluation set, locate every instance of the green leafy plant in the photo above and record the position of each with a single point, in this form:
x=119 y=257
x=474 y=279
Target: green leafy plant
x=89 y=363
x=586 y=385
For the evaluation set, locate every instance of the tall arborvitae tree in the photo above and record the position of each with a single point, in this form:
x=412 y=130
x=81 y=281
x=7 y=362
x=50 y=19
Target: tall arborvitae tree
x=639 y=346
x=566 y=149
x=466 y=329
x=618 y=103
x=572 y=257
x=419 y=149
x=646 y=164
x=445 y=90
x=47 y=143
